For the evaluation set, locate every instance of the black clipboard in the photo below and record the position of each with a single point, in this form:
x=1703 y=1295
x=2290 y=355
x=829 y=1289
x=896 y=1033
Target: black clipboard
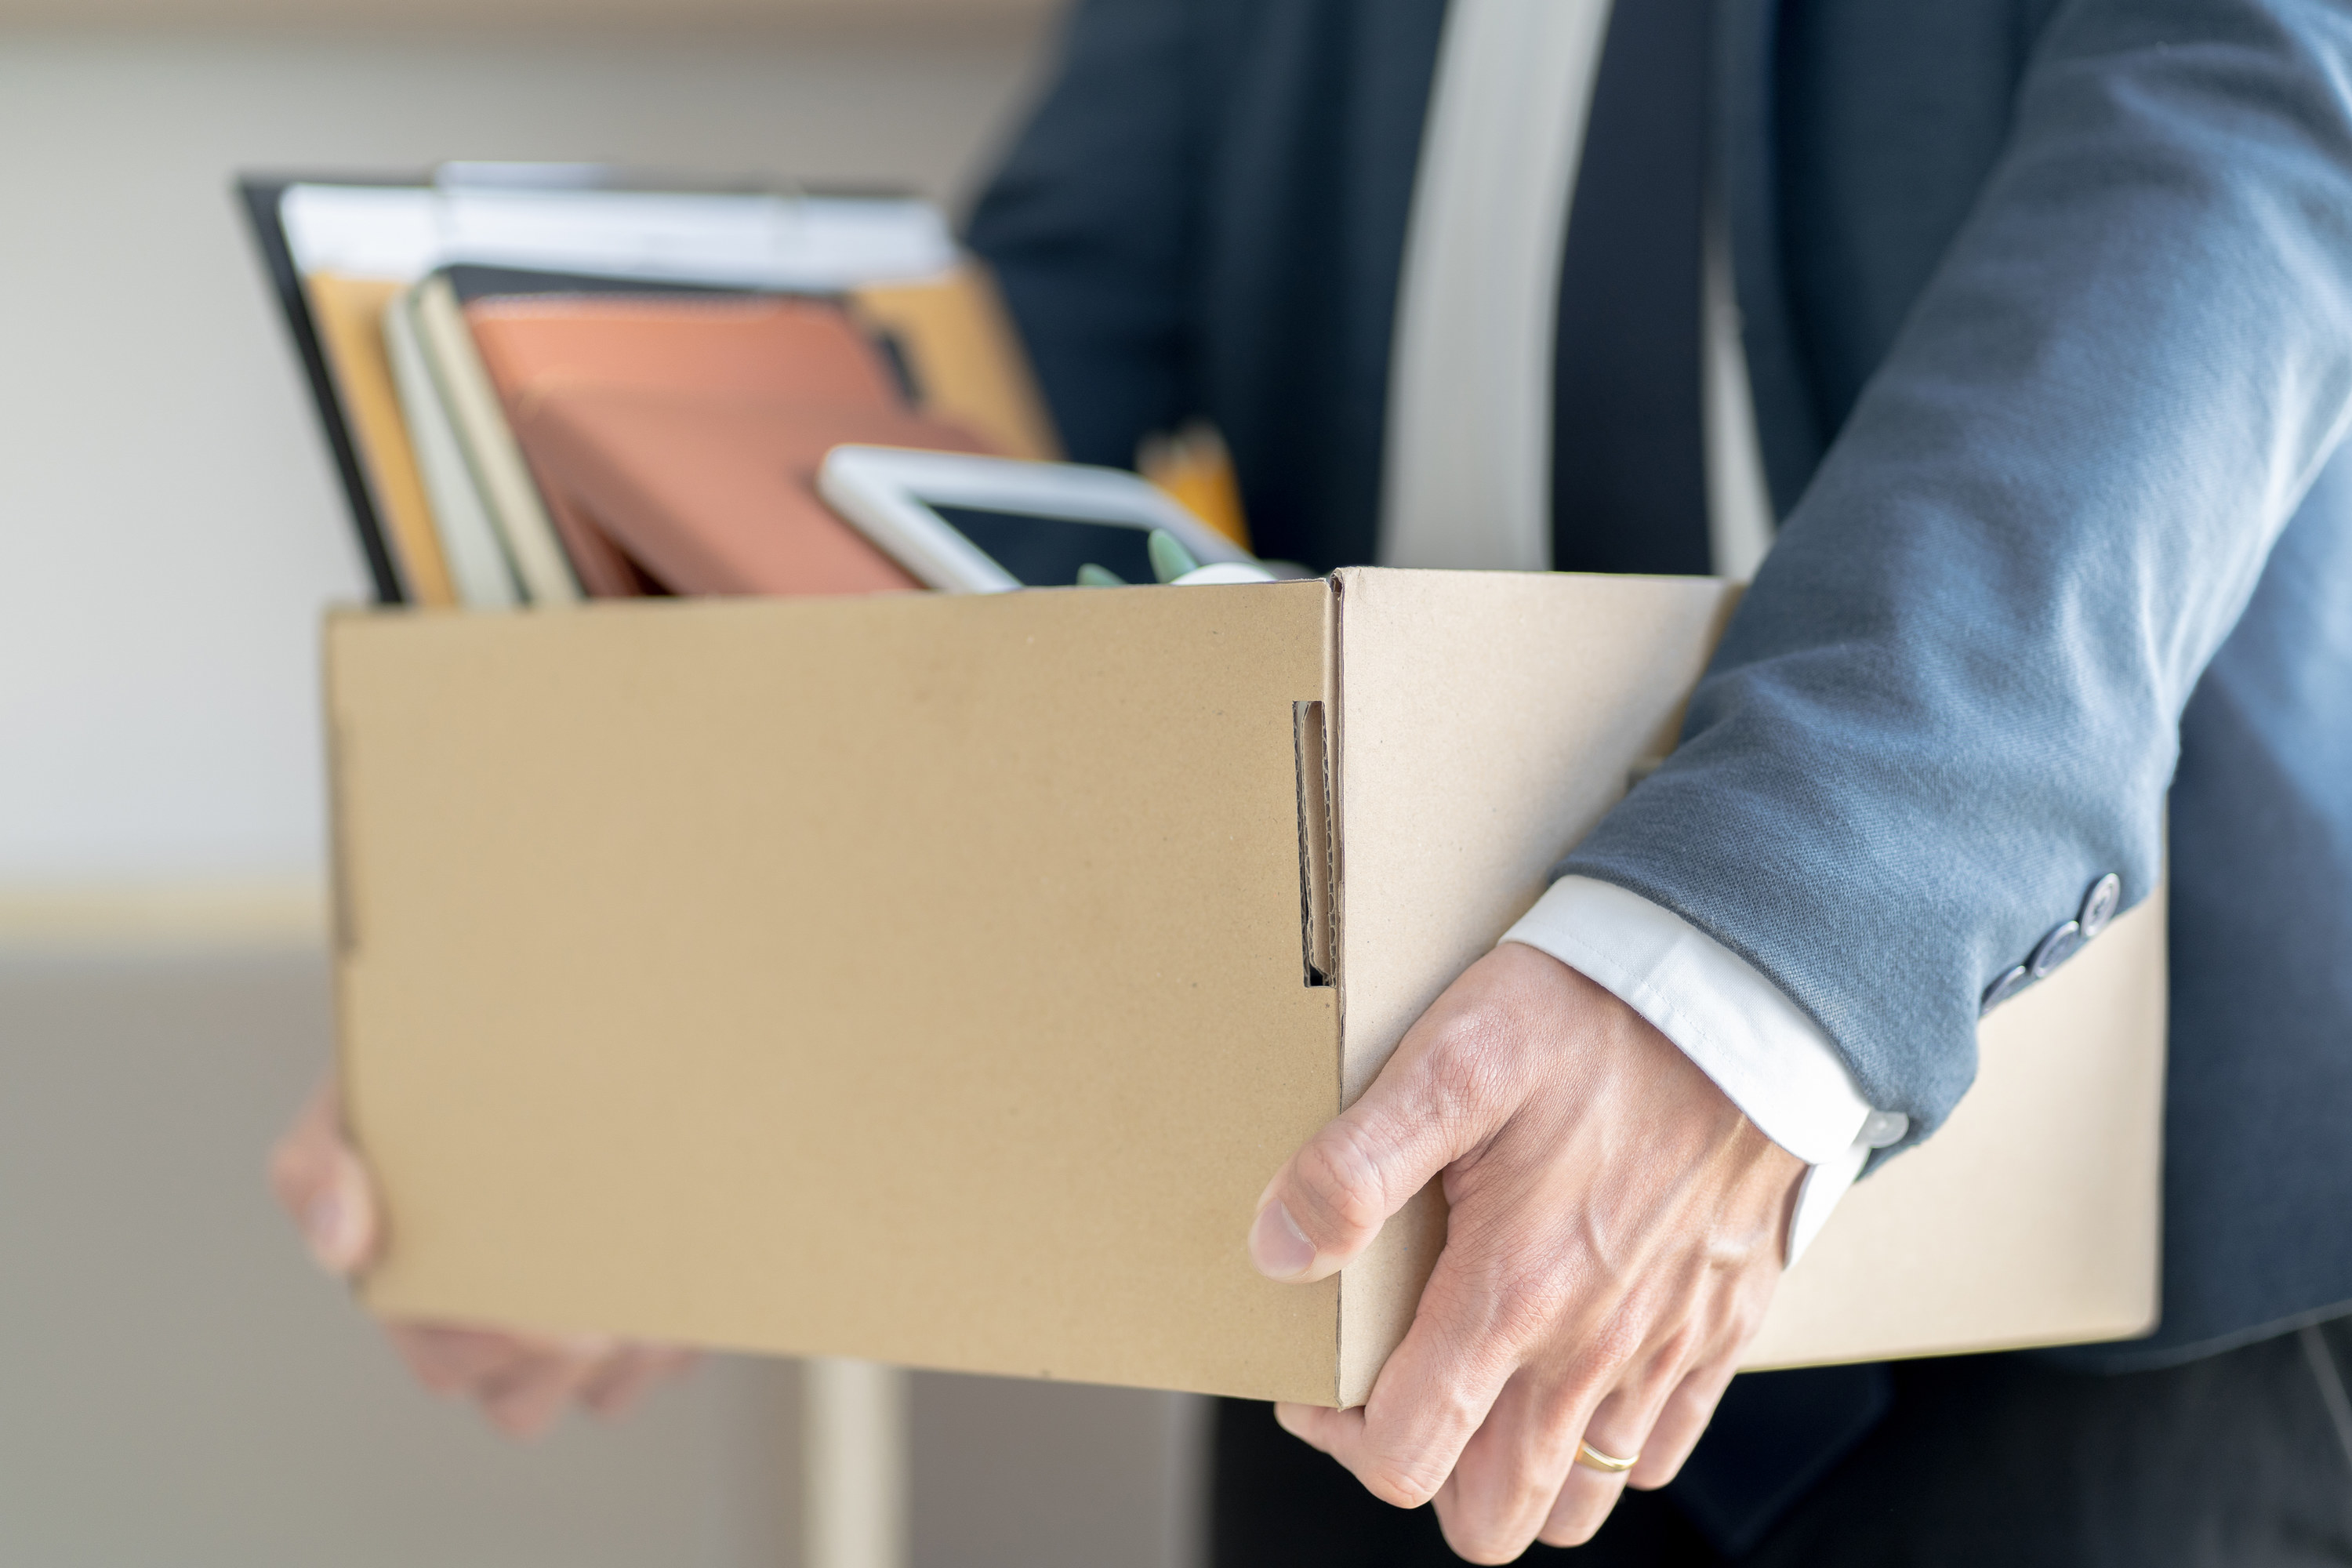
x=260 y=196
x=262 y=199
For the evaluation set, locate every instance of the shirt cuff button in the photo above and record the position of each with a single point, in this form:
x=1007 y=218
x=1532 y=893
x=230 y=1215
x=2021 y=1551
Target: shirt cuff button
x=2099 y=905
x=2055 y=949
x=2007 y=986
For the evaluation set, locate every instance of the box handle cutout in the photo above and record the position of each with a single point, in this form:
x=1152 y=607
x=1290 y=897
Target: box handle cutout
x=342 y=909
x=1317 y=917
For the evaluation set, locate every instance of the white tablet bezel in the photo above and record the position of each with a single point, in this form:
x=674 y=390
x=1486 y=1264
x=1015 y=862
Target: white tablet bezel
x=882 y=491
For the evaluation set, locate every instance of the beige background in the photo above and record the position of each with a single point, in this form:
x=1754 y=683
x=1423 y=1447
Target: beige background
x=794 y=20
x=176 y=1388
x=170 y=519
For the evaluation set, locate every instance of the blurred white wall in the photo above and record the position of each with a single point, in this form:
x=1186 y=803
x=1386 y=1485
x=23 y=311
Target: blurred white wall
x=176 y=1387
x=169 y=525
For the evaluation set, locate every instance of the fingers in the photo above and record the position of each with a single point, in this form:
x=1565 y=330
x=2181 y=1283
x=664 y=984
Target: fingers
x=1328 y=1202
x=1611 y=1227
x=1437 y=1099
x=1510 y=1275
x=1512 y=1469
x=1320 y=1429
x=1503 y=1298
x=524 y=1383
x=1623 y=1426
x=632 y=1372
x=324 y=1188
x=1683 y=1423
x=1519 y=1479
x=1346 y=1436
x=1656 y=1422
x=1516 y=1479
x=1435 y=1392
x=524 y=1398
x=450 y=1360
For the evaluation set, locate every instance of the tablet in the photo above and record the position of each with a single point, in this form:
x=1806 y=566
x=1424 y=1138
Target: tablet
x=988 y=525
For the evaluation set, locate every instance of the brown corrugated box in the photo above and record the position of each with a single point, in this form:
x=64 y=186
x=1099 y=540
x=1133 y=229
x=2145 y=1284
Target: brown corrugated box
x=939 y=980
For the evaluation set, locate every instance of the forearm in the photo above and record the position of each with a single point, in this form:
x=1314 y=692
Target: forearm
x=1950 y=702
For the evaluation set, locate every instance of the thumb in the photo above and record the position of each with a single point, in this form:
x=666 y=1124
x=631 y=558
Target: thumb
x=1331 y=1198
x=324 y=1188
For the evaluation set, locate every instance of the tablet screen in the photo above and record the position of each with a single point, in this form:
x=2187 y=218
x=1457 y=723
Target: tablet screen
x=1046 y=551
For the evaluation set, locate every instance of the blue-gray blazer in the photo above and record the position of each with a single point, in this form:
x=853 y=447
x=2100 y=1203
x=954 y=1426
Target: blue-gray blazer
x=2049 y=310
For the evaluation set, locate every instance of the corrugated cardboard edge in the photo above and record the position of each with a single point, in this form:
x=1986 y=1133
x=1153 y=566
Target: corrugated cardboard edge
x=1318 y=941
x=1380 y=1291
x=1335 y=751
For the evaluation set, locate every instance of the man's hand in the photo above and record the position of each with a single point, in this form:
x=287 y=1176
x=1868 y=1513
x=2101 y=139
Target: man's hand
x=522 y=1382
x=1615 y=1234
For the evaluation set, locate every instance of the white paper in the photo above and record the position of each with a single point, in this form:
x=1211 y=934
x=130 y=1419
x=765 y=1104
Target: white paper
x=813 y=244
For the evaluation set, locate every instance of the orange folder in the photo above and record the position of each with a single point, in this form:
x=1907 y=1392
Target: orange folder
x=715 y=493
x=544 y=351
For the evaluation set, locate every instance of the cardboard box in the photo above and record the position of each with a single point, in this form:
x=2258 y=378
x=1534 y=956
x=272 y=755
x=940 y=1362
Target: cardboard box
x=939 y=980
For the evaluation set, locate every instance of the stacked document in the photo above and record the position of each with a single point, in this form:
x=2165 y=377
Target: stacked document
x=540 y=387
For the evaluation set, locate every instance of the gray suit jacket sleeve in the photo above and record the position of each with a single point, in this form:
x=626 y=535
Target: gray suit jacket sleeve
x=1952 y=700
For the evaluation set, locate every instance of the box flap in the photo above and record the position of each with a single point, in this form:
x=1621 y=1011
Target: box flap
x=1487 y=723
x=1487 y=719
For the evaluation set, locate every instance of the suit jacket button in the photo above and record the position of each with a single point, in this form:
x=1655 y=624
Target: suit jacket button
x=2055 y=949
x=2099 y=905
x=2007 y=986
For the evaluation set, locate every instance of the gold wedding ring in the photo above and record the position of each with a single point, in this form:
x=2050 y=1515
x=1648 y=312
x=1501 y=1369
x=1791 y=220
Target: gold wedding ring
x=1608 y=1464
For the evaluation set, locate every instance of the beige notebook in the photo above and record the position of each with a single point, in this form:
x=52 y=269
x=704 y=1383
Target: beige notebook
x=471 y=545
x=349 y=313
x=503 y=479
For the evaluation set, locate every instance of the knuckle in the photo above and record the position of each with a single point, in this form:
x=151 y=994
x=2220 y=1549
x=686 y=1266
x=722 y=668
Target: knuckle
x=1499 y=1530
x=1679 y=1349
x=1405 y=1478
x=1572 y=1531
x=1499 y=1294
x=1619 y=1341
x=1742 y=1323
x=1482 y=1546
x=1401 y=1482
x=1463 y=1069
x=1527 y=1308
x=1341 y=1175
x=1579 y=1514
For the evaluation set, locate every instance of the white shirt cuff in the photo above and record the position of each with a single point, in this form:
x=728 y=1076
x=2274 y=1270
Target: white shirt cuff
x=1771 y=1059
